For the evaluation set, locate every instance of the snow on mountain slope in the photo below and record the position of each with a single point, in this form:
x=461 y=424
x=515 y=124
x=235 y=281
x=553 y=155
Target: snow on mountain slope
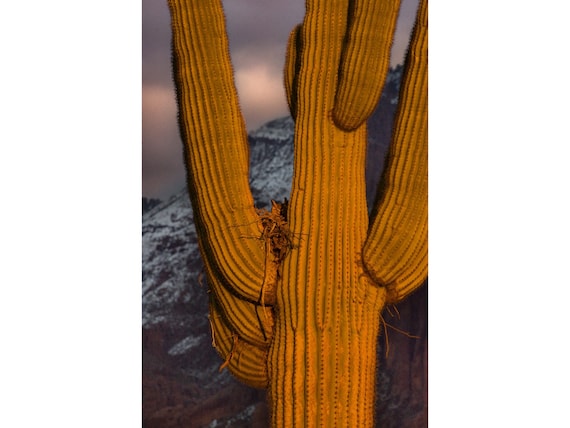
x=170 y=259
x=271 y=160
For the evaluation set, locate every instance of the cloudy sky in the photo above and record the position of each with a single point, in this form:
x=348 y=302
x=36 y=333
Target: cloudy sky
x=258 y=31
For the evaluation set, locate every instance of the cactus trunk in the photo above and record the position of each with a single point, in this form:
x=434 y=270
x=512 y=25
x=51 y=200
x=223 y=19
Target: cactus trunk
x=322 y=359
x=324 y=377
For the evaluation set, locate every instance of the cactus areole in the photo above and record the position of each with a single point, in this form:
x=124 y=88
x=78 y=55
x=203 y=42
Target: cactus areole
x=297 y=309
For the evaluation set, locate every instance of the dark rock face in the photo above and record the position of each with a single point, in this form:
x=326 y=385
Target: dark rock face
x=401 y=394
x=182 y=384
x=380 y=132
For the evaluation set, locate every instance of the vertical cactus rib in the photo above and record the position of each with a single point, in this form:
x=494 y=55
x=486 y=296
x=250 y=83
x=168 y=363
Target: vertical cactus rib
x=395 y=253
x=365 y=60
x=216 y=147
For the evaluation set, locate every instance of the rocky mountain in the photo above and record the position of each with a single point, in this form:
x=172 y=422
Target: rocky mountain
x=149 y=203
x=182 y=384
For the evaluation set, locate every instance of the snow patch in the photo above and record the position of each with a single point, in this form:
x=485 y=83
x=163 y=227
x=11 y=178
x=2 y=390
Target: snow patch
x=184 y=345
x=277 y=130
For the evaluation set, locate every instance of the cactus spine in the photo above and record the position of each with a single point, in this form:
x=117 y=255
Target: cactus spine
x=298 y=309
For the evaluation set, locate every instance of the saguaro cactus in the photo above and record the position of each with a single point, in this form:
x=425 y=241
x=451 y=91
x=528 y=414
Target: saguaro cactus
x=297 y=293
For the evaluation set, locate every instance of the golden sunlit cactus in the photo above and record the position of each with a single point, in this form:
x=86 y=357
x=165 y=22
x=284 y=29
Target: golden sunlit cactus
x=298 y=308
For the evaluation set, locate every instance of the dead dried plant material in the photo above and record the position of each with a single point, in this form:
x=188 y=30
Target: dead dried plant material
x=226 y=363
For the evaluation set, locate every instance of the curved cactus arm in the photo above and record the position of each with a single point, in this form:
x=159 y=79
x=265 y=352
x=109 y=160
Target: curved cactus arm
x=245 y=361
x=251 y=321
x=254 y=321
x=395 y=252
x=317 y=60
x=216 y=148
x=367 y=29
x=365 y=60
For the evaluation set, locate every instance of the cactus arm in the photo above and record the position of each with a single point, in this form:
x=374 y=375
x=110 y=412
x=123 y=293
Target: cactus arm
x=245 y=361
x=292 y=69
x=216 y=148
x=251 y=321
x=365 y=60
x=395 y=253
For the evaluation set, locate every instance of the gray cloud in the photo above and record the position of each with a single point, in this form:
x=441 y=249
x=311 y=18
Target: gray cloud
x=408 y=10
x=258 y=32
x=162 y=168
x=156 y=43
